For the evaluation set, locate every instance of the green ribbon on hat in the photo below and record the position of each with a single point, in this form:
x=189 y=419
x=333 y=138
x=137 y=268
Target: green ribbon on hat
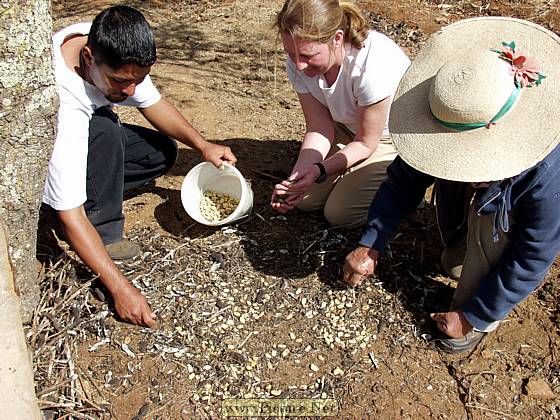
x=471 y=126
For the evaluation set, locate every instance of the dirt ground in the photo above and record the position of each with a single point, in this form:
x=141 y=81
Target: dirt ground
x=255 y=310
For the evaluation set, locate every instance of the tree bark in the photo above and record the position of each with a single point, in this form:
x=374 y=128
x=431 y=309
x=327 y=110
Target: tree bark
x=28 y=103
x=17 y=389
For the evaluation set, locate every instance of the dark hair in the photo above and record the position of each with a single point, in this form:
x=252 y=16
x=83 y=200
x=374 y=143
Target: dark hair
x=121 y=35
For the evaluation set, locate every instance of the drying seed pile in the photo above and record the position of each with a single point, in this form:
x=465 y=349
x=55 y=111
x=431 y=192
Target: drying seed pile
x=216 y=206
x=227 y=329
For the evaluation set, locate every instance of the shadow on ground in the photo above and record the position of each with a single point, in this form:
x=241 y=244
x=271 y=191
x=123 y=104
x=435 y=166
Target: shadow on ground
x=302 y=245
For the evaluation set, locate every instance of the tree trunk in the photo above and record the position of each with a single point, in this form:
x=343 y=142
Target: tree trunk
x=28 y=103
x=17 y=390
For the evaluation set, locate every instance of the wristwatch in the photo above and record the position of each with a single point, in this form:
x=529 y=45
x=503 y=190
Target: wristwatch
x=323 y=173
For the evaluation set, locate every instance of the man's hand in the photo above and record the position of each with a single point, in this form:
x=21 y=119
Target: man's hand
x=132 y=307
x=359 y=263
x=217 y=154
x=453 y=324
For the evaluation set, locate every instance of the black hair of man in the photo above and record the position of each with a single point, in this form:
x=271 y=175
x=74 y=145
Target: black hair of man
x=121 y=35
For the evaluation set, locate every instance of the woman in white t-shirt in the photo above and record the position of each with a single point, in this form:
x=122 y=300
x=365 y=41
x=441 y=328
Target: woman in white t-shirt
x=345 y=76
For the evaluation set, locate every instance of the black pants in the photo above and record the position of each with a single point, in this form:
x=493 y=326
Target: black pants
x=120 y=157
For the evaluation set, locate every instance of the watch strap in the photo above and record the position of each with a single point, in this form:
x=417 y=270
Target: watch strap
x=322 y=173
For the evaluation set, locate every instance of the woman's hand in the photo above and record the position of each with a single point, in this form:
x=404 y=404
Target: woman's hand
x=283 y=203
x=289 y=193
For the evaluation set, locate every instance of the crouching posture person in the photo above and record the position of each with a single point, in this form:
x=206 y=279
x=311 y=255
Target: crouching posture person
x=482 y=127
x=96 y=157
x=345 y=76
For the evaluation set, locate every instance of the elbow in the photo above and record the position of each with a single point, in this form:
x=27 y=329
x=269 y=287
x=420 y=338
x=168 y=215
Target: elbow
x=70 y=218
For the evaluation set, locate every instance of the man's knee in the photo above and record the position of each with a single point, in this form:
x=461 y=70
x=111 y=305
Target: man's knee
x=170 y=151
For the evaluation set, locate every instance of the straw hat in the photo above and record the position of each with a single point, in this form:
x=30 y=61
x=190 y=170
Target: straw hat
x=468 y=73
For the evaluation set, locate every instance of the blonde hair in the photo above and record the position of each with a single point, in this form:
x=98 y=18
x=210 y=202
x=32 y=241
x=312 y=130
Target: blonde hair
x=318 y=20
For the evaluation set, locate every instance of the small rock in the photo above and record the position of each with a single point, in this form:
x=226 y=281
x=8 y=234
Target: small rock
x=338 y=372
x=348 y=362
x=236 y=357
x=538 y=388
x=487 y=354
x=48 y=414
x=276 y=392
x=205 y=384
x=144 y=410
x=260 y=296
x=217 y=257
x=143 y=346
x=99 y=295
x=314 y=367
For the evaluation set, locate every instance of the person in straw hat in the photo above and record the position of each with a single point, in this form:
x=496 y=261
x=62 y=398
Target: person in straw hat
x=476 y=115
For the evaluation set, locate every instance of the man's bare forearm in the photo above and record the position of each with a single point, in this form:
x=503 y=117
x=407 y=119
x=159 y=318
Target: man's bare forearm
x=87 y=243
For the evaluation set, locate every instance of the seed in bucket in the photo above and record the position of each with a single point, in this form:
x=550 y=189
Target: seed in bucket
x=216 y=206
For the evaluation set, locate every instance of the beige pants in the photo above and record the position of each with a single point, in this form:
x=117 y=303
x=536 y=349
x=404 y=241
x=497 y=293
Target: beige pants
x=345 y=198
x=482 y=253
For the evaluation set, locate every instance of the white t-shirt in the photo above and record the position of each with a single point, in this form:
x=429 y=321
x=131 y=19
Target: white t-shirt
x=65 y=187
x=366 y=76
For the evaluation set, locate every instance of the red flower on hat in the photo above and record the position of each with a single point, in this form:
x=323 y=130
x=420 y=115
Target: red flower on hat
x=525 y=70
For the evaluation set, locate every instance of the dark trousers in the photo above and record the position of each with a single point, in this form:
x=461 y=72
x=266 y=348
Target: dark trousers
x=120 y=157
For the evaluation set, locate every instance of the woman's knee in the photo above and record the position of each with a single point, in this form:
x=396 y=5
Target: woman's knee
x=344 y=216
x=310 y=203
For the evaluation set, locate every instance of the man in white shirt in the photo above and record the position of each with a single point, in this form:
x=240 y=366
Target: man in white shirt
x=96 y=157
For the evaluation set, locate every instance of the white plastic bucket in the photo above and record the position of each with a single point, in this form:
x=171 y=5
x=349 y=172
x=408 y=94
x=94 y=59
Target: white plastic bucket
x=206 y=177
